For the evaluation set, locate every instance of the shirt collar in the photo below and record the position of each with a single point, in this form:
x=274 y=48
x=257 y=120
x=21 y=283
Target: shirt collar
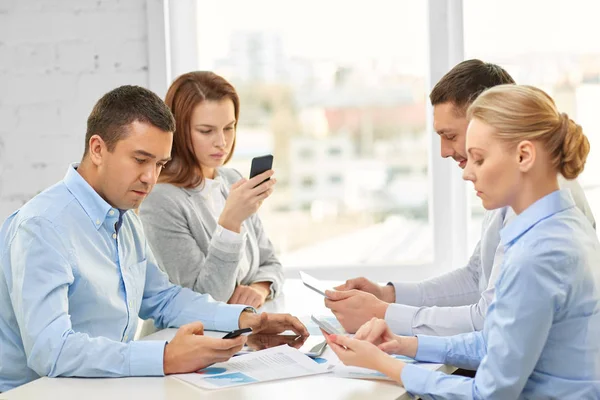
x=545 y=207
x=95 y=206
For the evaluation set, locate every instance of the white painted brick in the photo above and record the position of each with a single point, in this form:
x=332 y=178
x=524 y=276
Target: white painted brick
x=76 y=57
x=7 y=6
x=93 y=86
x=78 y=6
x=112 y=27
x=19 y=28
x=74 y=119
x=35 y=89
x=39 y=119
x=9 y=120
x=7 y=57
x=26 y=150
x=28 y=58
x=33 y=179
x=50 y=79
x=129 y=56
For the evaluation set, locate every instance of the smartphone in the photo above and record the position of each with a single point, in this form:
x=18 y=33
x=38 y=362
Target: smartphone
x=260 y=165
x=314 y=284
x=326 y=326
x=312 y=346
x=238 y=332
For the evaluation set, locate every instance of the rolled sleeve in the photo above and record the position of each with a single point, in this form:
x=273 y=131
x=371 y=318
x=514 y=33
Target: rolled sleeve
x=407 y=293
x=146 y=358
x=399 y=318
x=230 y=236
x=432 y=349
x=228 y=316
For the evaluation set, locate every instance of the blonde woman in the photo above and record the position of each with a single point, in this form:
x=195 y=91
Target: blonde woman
x=540 y=337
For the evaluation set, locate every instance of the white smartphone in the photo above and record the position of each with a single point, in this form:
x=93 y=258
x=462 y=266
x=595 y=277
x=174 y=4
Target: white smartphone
x=314 y=283
x=326 y=326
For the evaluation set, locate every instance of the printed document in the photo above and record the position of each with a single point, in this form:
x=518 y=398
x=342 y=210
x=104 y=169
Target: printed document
x=265 y=365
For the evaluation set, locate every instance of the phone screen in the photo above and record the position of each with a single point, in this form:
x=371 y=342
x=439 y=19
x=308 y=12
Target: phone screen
x=312 y=346
x=260 y=165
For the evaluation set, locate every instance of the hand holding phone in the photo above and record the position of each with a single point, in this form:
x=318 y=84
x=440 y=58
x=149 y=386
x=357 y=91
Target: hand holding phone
x=246 y=196
x=260 y=165
x=326 y=326
x=235 y=333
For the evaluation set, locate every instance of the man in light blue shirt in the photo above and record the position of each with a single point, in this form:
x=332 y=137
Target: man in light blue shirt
x=77 y=271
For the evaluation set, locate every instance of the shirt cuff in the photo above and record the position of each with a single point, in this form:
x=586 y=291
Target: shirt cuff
x=146 y=358
x=407 y=293
x=227 y=317
x=400 y=318
x=431 y=349
x=230 y=236
x=415 y=379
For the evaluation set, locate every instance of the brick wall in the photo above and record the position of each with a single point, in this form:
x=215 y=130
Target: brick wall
x=57 y=58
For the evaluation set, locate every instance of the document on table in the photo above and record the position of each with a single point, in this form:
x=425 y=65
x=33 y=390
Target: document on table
x=265 y=365
x=344 y=371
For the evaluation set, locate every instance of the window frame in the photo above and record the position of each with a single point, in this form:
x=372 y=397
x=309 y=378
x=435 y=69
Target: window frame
x=173 y=49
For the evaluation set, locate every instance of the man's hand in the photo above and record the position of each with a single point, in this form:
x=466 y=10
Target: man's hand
x=385 y=293
x=272 y=323
x=261 y=341
x=190 y=350
x=354 y=307
x=253 y=295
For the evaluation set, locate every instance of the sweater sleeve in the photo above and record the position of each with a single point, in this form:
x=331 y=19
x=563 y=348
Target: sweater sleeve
x=203 y=264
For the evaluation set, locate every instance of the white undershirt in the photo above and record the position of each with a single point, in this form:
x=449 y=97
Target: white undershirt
x=213 y=194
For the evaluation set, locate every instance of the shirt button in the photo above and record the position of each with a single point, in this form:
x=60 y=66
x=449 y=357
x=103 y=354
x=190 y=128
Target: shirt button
x=114 y=235
x=97 y=222
x=130 y=304
x=111 y=212
x=126 y=337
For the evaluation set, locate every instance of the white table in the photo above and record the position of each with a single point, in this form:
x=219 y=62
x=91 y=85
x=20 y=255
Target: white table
x=297 y=300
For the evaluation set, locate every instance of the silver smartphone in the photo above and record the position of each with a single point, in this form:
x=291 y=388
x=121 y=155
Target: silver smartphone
x=326 y=326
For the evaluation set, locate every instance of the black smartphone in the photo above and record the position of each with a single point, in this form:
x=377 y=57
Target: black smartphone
x=237 y=332
x=260 y=165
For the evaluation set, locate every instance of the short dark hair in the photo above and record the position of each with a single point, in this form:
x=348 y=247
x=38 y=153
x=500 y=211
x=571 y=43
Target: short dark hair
x=467 y=80
x=122 y=106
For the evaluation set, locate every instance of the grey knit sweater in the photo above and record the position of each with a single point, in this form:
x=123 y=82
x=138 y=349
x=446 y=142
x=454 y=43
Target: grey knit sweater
x=181 y=231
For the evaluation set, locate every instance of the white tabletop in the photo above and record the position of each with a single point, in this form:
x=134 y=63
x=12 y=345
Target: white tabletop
x=296 y=300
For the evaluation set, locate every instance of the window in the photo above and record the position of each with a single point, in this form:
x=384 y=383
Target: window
x=559 y=53
x=334 y=151
x=341 y=106
x=335 y=179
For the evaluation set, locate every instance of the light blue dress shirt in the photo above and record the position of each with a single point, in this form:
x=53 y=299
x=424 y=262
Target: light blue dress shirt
x=541 y=336
x=76 y=275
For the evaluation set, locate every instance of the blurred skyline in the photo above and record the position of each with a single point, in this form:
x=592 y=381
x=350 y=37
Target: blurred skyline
x=344 y=32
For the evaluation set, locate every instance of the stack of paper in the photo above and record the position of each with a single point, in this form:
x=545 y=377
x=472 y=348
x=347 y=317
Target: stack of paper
x=266 y=365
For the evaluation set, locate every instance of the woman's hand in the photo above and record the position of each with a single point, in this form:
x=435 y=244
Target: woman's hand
x=361 y=353
x=378 y=332
x=245 y=198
